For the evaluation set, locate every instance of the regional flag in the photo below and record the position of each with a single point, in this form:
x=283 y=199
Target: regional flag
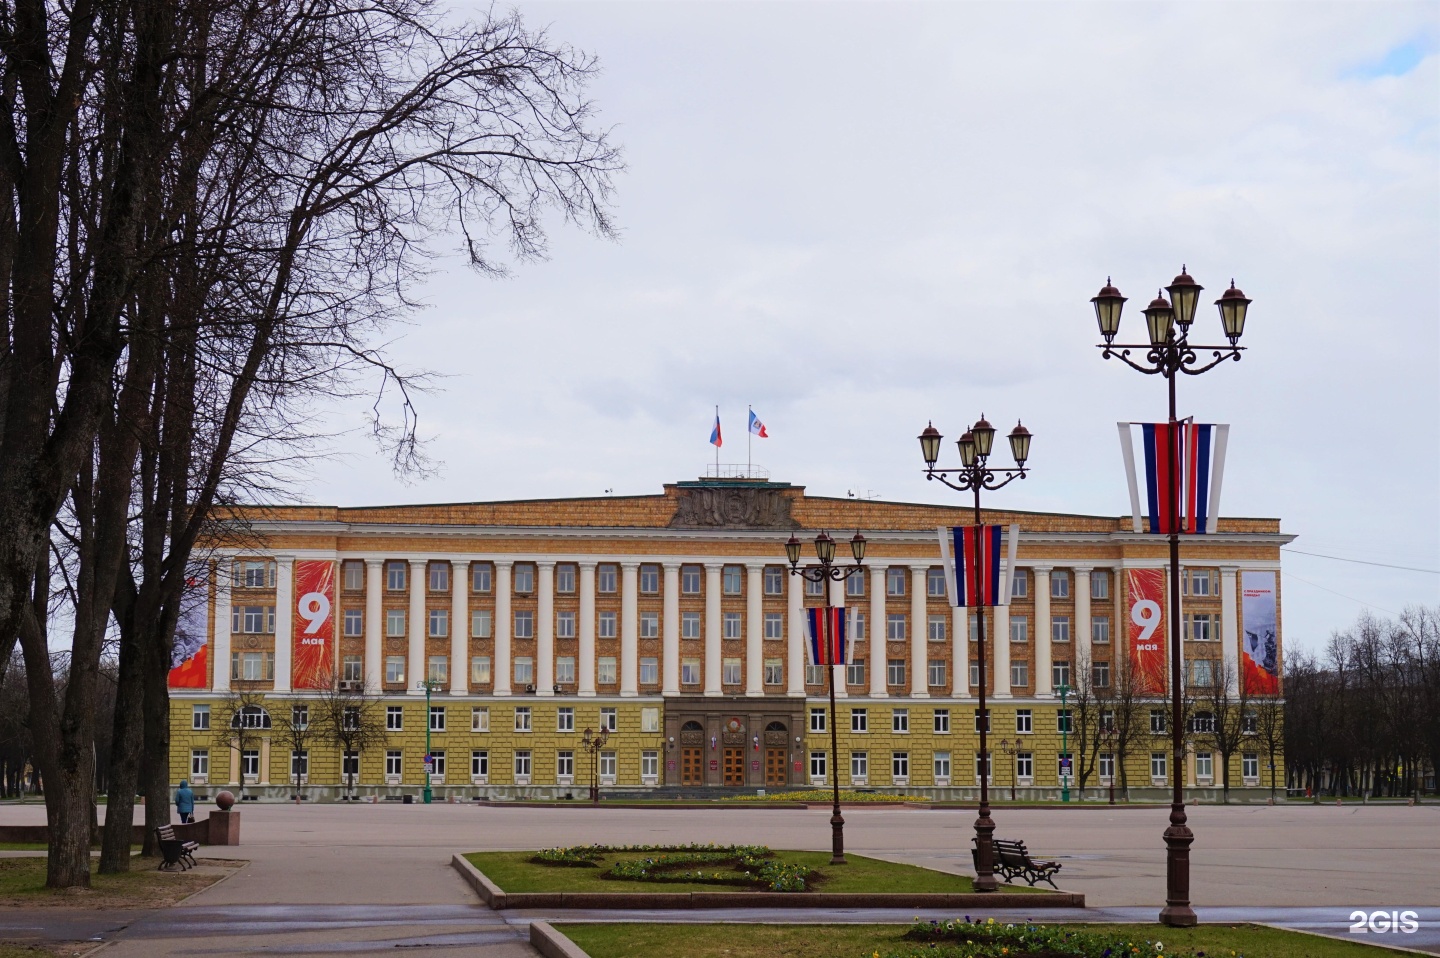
x=827 y=636
x=757 y=428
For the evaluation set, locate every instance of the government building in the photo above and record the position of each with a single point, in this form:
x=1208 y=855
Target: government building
x=498 y=632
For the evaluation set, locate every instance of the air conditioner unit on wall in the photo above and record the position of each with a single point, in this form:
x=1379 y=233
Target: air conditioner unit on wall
x=350 y=686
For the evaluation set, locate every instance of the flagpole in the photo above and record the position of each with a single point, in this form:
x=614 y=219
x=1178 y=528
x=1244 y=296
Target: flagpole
x=717 y=445
x=751 y=411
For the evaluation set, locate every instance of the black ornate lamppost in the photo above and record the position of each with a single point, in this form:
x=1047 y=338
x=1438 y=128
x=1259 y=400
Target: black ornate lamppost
x=593 y=743
x=825 y=573
x=975 y=474
x=1170 y=353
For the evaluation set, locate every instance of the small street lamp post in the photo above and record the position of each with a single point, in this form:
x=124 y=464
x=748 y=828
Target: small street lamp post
x=1108 y=736
x=1010 y=752
x=593 y=743
x=825 y=573
x=1065 y=745
x=429 y=687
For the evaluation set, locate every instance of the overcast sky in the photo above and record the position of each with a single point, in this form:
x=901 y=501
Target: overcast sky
x=858 y=217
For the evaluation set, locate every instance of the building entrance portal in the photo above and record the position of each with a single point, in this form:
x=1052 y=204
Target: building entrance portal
x=775 y=767
x=691 y=770
x=734 y=766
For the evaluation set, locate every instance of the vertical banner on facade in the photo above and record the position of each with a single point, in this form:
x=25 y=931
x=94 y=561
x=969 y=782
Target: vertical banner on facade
x=314 y=624
x=1145 y=603
x=188 y=659
x=1259 y=643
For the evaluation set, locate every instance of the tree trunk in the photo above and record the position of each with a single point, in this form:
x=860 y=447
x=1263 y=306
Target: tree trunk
x=157 y=746
x=124 y=756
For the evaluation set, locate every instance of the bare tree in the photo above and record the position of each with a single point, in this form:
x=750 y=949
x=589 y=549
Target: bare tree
x=351 y=721
x=1128 y=706
x=1229 y=707
x=1085 y=720
x=241 y=721
x=1269 y=711
x=295 y=730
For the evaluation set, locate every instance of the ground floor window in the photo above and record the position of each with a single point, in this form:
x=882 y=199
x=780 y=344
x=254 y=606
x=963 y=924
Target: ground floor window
x=649 y=765
x=1250 y=765
x=480 y=764
x=565 y=765
x=250 y=763
x=394 y=763
x=942 y=766
x=1204 y=765
x=817 y=764
x=522 y=766
x=300 y=763
x=1157 y=765
x=199 y=763
x=900 y=764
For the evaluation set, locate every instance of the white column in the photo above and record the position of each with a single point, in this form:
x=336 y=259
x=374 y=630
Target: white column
x=629 y=628
x=374 y=625
x=586 y=683
x=501 y=627
x=417 y=628
x=1080 y=628
x=1229 y=625
x=754 y=629
x=670 y=632
x=920 y=635
x=545 y=628
x=795 y=643
x=837 y=599
x=877 y=638
x=997 y=629
x=960 y=657
x=220 y=668
x=284 y=619
x=459 y=625
x=1041 y=682
x=713 y=628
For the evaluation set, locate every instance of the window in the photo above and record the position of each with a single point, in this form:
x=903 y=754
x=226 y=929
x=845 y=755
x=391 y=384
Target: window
x=253 y=619
x=859 y=720
x=895 y=671
x=300 y=716
x=1100 y=675
x=395 y=669
x=565 y=625
x=690 y=580
x=1019 y=674
x=1060 y=585
x=1063 y=721
x=855 y=673
x=394 y=718
x=689 y=625
x=649 y=765
x=200 y=717
x=974 y=673
x=199 y=763
x=354 y=575
x=732 y=578
x=942 y=767
x=250 y=763
x=395 y=623
x=774 y=626
x=1060 y=674
x=1157 y=766
x=439 y=573
x=1201 y=627
x=859 y=766
x=524 y=582
x=1100 y=584
x=985 y=766
x=774 y=580
x=856 y=624
x=1202 y=672
x=1024 y=722
x=565 y=578
x=1250 y=766
x=565 y=719
x=606 y=670
x=817 y=765
x=480 y=763
x=437 y=764
x=524 y=624
x=649 y=625
x=607 y=625
x=935 y=583
x=1203 y=722
x=1204 y=765
x=480 y=670
x=354 y=622
x=608 y=719
x=942 y=722
x=814 y=587
x=1249 y=723
x=524 y=670
x=895 y=581
x=650 y=720
x=437 y=669
x=1025 y=765
x=252 y=666
x=352 y=669
x=1060 y=628
x=480 y=719
x=482 y=577
x=1019 y=583
x=1107 y=720
x=607 y=766
x=1197 y=582
x=650 y=579
x=935 y=628
x=393 y=763
x=936 y=672
x=733 y=624
x=817 y=720
x=1019 y=628
x=254 y=574
x=565 y=766
x=900 y=721
x=855 y=585
x=895 y=626
x=1107 y=766
x=689 y=671
x=606 y=578
x=480 y=623
x=1100 y=630
x=1157 y=721
x=522 y=718
x=814 y=675
x=774 y=672
x=987 y=720
x=730 y=671
x=649 y=670
x=522 y=766
x=395 y=575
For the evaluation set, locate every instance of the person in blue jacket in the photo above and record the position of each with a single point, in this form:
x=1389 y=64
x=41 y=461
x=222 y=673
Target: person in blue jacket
x=185 y=802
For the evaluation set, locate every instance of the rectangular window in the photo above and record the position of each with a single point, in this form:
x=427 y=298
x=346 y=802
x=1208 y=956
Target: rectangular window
x=1107 y=720
x=1202 y=672
x=730 y=672
x=609 y=719
x=200 y=717
x=774 y=626
x=733 y=624
x=856 y=624
x=565 y=578
x=650 y=580
x=607 y=625
x=524 y=578
x=1060 y=585
x=1250 y=766
x=689 y=671
x=649 y=670
x=524 y=624
x=855 y=673
x=974 y=673
x=480 y=763
x=565 y=719
x=1019 y=675
x=1059 y=674
x=394 y=718
x=855 y=585
x=565 y=625
x=774 y=580
x=649 y=625
x=1199 y=582
x=935 y=583
x=299 y=764
x=1019 y=628
x=1204 y=765
x=482 y=577
x=522 y=718
x=1025 y=765
x=900 y=721
x=1200 y=627
x=859 y=720
x=439 y=623
x=859 y=766
x=732 y=579
x=607 y=578
x=253 y=619
x=650 y=720
x=1019 y=584
x=895 y=626
x=439 y=573
x=480 y=719
x=522 y=766
x=1023 y=721
x=1100 y=584
x=814 y=587
x=480 y=670
x=895 y=581
x=1100 y=630
x=1157 y=766
x=817 y=720
x=1107 y=766
x=936 y=673
x=199 y=763
x=480 y=623
x=689 y=625
x=935 y=628
x=1157 y=721
x=254 y=574
x=354 y=575
x=1060 y=628
x=649 y=766
x=987 y=720
x=1063 y=721
x=942 y=767
x=565 y=766
x=395 y=669
x=354 y=623
x=437 y=718
x=817 y=766
x=985 y=764
x=814 y=675
x=1100 y=675
x=774 y=672
x=524 y=670
x=300 y=717
x=395 y=623
x=895 y=671
x=1249 y=723
x=396 y=572
x=394 y=766
x=606 y=670
x=690 y=578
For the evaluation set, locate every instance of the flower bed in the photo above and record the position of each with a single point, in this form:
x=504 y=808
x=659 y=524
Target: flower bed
x=963 y=938
x=820 y=795
x=752 y=866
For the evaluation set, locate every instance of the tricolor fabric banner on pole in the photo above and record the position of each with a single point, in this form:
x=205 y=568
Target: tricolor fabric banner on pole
x=315 y=625
x=827 y=643
x=188 y=656
x=1145 y=608
x=1259 y=645
x=973 y=584
x=1199 y=452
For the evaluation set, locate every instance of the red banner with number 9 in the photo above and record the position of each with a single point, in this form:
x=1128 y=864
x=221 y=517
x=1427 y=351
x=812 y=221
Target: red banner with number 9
x=314 y=624
x=1145 y=602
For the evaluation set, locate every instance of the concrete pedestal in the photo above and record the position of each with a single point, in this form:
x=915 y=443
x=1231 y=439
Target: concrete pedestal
x=224 y=827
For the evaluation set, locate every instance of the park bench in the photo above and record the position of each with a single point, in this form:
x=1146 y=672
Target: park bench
x=173 y=851
x=1013 y=861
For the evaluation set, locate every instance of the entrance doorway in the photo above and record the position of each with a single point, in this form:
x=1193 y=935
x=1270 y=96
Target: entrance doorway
x=775 y=766
x=690 y=770
x=734 y=766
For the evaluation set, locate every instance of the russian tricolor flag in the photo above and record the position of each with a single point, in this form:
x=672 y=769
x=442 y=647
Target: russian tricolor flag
x=1187 y=459
x=977 y=581
x=827 y=636
x=715 y=439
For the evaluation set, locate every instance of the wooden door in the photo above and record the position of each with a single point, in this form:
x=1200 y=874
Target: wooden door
x=734 y=766
x=775 y=766
x=690 y=767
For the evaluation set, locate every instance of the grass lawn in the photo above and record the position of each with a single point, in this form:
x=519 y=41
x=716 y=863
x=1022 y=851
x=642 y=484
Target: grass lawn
x=862 y=941
x=514 y=872
x=22 y=883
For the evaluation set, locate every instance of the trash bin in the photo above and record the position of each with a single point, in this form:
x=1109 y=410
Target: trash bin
x=408 y=800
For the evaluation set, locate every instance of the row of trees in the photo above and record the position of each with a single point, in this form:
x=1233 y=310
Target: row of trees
x=209 y=212
x=1363 y=716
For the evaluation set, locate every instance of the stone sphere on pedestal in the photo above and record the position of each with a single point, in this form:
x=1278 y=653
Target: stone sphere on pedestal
x=224 y=800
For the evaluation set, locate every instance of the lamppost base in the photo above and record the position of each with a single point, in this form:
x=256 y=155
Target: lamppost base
x=985 y=879
x=1177 y=912
x=837 y=839
x=427 y=795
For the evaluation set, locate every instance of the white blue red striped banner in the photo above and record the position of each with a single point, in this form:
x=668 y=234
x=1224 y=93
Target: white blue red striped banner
x=1184 y=460
x=977 y=582
x=827 y=636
